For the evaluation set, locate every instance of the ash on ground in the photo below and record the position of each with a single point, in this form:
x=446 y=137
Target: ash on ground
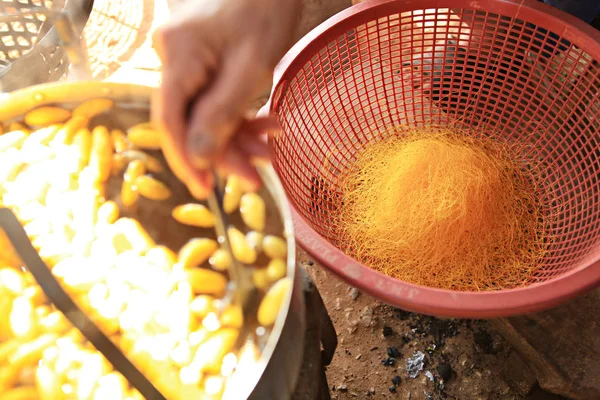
x=380 y=348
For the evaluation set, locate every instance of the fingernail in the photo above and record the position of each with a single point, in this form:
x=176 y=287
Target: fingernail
x=274 y=133
x=201 y=149
x=249 y=185
x=197 y=191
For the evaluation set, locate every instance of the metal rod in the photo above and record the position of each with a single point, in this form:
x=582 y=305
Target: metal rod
x=65 y=304
x=215 y=204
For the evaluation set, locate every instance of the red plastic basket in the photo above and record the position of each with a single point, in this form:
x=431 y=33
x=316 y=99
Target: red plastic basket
x=518 y=69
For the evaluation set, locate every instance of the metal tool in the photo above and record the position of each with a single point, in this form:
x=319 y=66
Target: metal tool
x=49 y=49
x=241 y=290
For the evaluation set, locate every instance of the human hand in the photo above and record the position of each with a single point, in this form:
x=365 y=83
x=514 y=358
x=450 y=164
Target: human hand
x=217 y=55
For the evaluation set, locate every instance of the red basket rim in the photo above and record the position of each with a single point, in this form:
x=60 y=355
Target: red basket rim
x=405 y=295
x=444 y=303
x=573 y=29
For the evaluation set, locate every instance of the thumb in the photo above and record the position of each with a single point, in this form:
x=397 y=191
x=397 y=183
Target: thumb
x=219 y=113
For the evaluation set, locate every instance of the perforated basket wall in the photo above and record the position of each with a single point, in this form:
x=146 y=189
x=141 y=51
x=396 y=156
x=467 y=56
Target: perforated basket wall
x=30 y=50
x=512 y=70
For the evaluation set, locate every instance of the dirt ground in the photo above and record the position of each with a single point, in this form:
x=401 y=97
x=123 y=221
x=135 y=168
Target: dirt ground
x=463 y=359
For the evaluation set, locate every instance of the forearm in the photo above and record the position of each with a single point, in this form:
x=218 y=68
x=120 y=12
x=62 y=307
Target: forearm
x=313 y=13
x=316 y=11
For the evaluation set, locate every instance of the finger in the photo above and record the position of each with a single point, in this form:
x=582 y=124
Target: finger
x=185 y=72
x=157 y=43
x=168 y=113
x=173 y=144
x=177 y=89
x=254 y=146
x=254 y=134
x=217 y=115
x=201 y=186
x=169 y=108
x=237 y=162
x=260 y=125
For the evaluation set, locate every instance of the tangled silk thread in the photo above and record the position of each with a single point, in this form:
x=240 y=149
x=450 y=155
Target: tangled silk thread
x=443 y=209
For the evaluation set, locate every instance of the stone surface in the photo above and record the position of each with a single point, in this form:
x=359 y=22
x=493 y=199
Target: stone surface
x=561 y=346
x=518 y=375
